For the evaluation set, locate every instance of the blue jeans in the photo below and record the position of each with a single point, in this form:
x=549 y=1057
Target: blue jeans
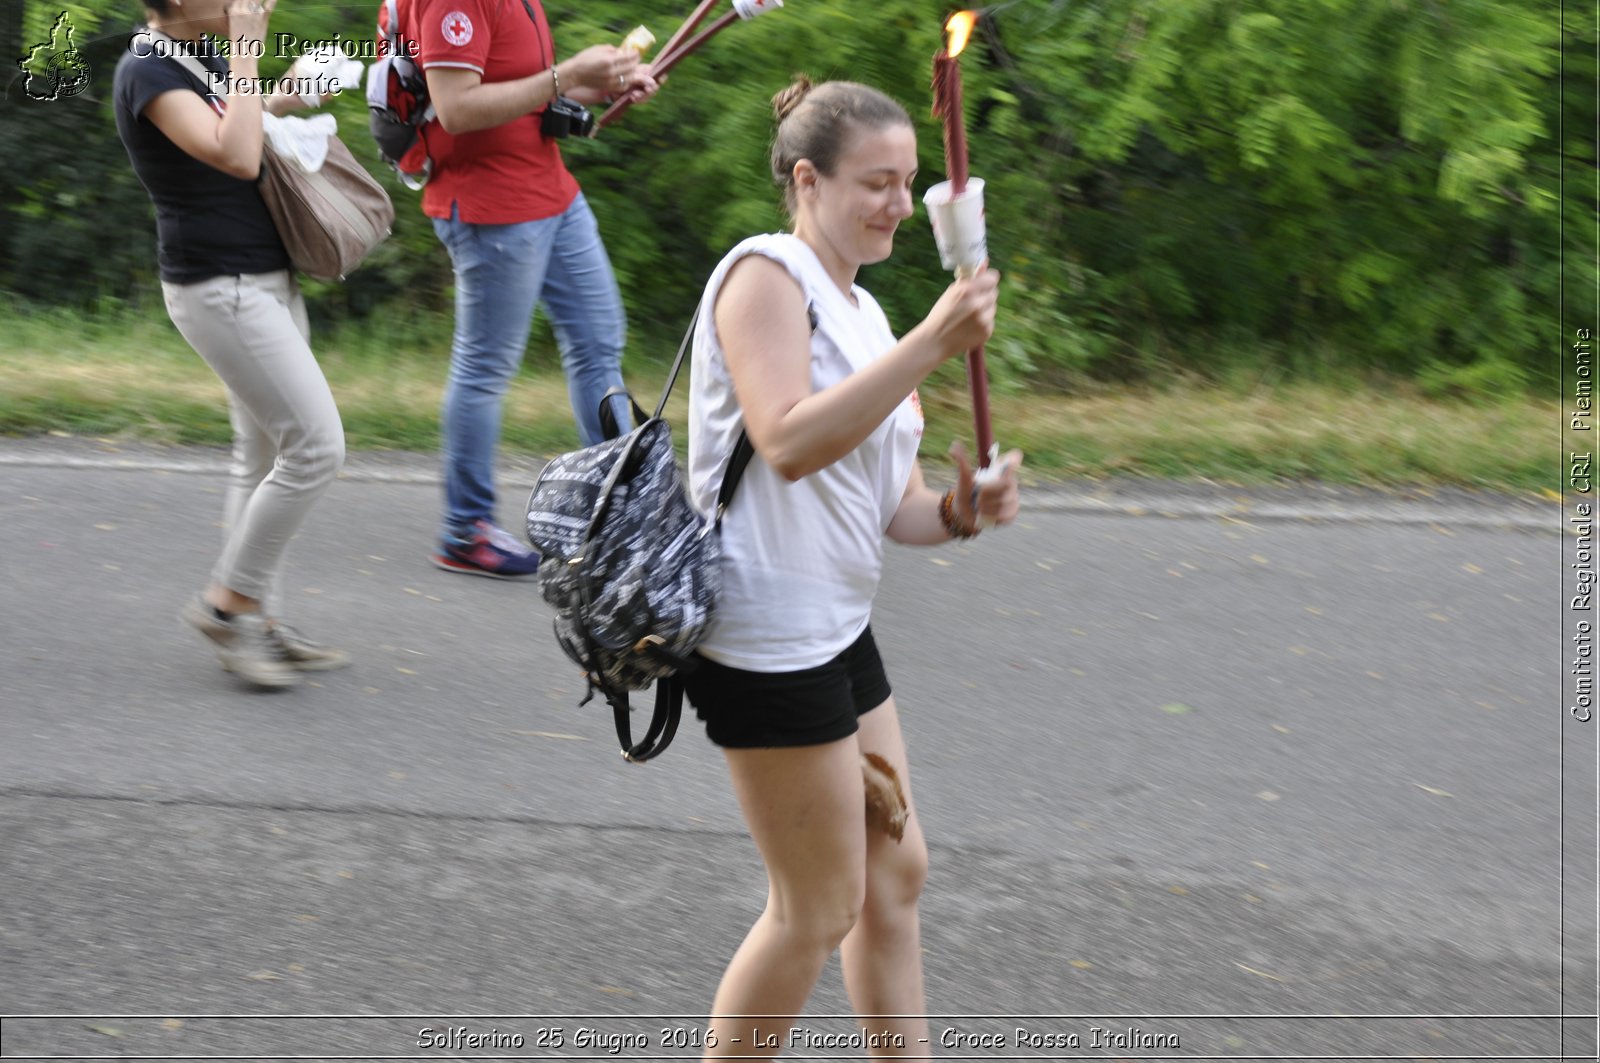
x=502 y=272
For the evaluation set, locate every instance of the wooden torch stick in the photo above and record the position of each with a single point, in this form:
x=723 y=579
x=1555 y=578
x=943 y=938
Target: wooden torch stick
x=668 y=58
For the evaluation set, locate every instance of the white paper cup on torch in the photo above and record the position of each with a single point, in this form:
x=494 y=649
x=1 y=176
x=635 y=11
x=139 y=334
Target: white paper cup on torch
x=958 y=226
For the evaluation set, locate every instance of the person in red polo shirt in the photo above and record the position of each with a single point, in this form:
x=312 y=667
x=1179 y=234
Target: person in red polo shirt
x=519 y=233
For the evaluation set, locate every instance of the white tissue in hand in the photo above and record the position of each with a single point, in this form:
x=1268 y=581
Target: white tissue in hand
x=329 y=70
x=303 y=141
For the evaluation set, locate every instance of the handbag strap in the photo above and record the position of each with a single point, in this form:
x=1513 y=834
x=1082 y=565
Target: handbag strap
x=185 y=59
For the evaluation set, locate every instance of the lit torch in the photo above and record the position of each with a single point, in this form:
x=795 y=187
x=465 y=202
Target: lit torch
x=956 y=209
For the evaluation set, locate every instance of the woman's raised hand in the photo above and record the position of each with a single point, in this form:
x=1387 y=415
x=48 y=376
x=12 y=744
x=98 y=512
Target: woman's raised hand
x=963 y=318
x=247 y=21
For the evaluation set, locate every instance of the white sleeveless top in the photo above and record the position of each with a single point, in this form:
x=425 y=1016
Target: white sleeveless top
x=800 y=561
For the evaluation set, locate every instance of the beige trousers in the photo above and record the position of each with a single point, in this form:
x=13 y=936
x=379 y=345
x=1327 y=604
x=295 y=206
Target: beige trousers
x=288 y=441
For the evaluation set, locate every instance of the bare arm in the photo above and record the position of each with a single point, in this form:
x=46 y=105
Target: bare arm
x=761 y=320
x=916 y=520
x=230 y=142
x=466 y=103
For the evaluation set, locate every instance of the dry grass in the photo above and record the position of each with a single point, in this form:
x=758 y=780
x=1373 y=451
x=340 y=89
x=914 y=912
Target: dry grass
x=390 y=398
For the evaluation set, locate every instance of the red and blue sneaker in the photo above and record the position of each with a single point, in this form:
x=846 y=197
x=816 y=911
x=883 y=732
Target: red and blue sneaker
x=488 y=550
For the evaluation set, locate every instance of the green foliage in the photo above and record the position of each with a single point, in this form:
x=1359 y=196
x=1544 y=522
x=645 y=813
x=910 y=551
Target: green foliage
x=1170 y=181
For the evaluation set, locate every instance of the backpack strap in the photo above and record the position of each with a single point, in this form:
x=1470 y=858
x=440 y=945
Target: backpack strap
x=663 y=722
x=391 y=31
x=743 y=449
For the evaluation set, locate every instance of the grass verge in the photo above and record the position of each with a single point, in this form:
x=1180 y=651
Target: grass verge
x=135 y=377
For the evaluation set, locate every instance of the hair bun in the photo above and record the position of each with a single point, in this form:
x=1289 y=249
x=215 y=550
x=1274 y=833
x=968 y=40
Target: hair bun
x=787 y=100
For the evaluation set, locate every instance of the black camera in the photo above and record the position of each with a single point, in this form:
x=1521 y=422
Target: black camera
x=566 y=117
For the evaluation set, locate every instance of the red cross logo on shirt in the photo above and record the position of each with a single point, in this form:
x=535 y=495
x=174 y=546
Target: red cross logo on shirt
x=457 y=28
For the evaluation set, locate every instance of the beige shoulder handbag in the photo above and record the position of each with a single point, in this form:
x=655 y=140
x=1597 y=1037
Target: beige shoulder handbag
x=330 y=219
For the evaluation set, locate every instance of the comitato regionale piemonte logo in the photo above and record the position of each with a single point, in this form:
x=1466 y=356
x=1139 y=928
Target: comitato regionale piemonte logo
x=55 y=68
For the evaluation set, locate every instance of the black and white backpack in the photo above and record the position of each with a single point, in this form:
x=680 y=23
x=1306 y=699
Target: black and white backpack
x=629 y=564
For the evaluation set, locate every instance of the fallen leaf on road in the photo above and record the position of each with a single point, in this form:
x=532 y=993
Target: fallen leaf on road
x=614 y=990
x=1176 y=709
x=1082 y=965
x=1178 y=890
x=886 y=801
x=172 y=1024
x=105 y=1031
x=1258 y=974
x=551 y=734
x=1435 y=791
x=1267 y=795
x=264 y=976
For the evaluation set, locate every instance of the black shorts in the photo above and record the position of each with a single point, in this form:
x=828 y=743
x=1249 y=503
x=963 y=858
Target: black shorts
x=758 y=710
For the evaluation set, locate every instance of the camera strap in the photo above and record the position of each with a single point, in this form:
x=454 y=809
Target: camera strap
x=548 y=48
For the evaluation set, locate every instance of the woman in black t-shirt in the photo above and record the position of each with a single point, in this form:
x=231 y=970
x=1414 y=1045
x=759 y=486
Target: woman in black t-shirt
x=226 y=279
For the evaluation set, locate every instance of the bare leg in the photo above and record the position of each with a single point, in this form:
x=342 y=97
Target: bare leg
x=805 y=807
x=882 y=955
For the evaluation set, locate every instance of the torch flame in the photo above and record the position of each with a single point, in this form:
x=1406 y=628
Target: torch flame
x=959 y=27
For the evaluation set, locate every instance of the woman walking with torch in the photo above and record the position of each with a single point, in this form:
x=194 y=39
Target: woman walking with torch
x=790 y=351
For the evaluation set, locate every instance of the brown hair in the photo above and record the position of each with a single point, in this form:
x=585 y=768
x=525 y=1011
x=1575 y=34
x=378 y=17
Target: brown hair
x=816 y=123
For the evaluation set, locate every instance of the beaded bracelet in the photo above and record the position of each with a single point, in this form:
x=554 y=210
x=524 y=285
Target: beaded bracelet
x=948 y=518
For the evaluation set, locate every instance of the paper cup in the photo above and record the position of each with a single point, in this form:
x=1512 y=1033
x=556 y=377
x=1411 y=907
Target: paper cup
x=958 y=226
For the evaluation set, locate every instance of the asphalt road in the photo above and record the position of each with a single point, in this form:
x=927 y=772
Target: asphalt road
x=1279 y=773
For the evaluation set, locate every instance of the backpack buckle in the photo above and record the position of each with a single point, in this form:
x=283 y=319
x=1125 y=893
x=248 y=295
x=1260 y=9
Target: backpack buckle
x=649 y=642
